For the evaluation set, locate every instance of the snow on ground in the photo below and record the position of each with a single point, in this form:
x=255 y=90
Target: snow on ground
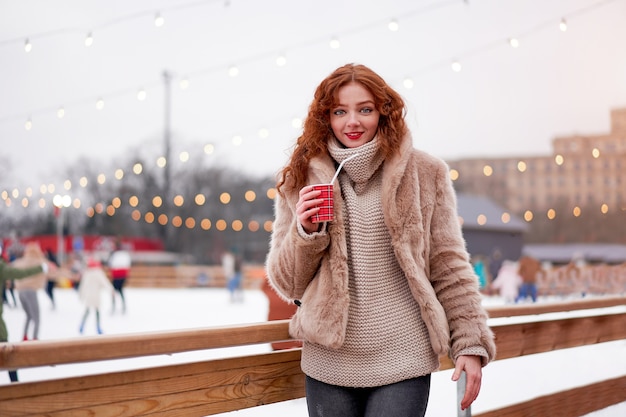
x=504 y=382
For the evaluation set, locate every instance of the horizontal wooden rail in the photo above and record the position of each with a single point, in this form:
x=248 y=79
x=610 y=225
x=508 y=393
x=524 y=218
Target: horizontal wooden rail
x=555 y=306
x=574 y=402
x=197 y=389
x=107 y=347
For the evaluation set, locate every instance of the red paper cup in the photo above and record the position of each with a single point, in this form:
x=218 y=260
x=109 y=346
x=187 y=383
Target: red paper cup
x=326 y=212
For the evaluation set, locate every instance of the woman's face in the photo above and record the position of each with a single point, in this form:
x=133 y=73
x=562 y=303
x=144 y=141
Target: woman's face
x=354 y=120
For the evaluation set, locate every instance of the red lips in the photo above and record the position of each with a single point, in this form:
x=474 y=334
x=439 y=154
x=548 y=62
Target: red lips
x=354 y=135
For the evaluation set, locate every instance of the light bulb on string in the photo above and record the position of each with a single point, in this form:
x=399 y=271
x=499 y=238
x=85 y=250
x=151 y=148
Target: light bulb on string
x=89 y=40
x=237 y=140
x=514 y=42
x=408 y=83
x=281 y=60
x=29 y=124
x=296 y=123
x=233 y=71
x=264 y=133
x=27 y=45
x=334 y=43
x=60 y=112
x=456 y=66
x=99 y=104
x=184 y=84
x=393 y=26
x=159 y=20
x=141 y=95
x=563 y=25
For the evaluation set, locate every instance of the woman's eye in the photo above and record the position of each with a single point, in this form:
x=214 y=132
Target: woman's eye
x=366 y=110
x=339 y=112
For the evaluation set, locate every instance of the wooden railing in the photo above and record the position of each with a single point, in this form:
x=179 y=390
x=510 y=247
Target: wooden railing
x=221 y=385
x=177 y=276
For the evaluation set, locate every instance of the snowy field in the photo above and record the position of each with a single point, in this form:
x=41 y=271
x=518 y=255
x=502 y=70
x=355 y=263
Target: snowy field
x=504 y=382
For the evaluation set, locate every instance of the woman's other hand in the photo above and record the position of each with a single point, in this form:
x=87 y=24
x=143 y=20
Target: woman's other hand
x=472 y=366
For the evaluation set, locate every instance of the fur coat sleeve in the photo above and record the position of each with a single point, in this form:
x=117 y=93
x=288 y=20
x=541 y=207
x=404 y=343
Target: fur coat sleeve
x=430 y=248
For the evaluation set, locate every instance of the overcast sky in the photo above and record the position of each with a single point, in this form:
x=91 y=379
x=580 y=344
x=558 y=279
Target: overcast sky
x=505 y=101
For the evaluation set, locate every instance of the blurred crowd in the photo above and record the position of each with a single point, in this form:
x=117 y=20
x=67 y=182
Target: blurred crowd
x=527 y=279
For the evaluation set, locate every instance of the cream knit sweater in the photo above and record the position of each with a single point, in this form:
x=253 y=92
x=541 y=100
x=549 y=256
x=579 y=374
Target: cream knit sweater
x=386 y=339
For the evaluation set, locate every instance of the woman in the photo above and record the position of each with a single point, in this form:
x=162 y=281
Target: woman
x=27 y=288
x=7 y=273
x=387 y=286
x=92 y=283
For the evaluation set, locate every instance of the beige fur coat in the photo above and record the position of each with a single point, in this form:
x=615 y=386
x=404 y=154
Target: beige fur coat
x=419 y=207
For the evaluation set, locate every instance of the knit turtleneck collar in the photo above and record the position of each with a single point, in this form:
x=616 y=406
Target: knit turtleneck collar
x=361 y=168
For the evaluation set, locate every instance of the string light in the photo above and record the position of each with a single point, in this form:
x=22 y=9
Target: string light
x=159 y=20
x=295 y=123
x=89 y=40
x=28 y=46
x=161 y=162
x=563 y=25
x=141 y=95
x=264 y=133
x=528 y=216
x=281 y=61
x=456 y=66
x=559 y=160
x=233 y=71
x=334 y=43
x=394 y=26
x=60 y=112
x=237 y=140
x=408 y=83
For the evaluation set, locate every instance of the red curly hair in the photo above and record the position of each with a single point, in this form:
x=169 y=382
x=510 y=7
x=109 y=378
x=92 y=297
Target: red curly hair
x=317 y=130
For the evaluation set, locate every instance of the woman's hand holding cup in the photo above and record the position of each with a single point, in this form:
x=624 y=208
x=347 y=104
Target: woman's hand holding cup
x=315 y=205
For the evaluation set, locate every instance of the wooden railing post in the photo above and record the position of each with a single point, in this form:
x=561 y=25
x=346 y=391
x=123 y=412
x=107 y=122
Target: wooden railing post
x=460 y=392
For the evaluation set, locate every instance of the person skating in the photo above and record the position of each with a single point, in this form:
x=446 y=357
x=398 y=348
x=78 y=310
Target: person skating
x=93 y=282
x=8 y=273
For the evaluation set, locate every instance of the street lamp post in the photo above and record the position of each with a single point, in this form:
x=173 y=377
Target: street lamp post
x=60 y=202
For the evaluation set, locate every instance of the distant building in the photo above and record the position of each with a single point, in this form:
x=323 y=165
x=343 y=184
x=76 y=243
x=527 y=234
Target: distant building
x=583 y=171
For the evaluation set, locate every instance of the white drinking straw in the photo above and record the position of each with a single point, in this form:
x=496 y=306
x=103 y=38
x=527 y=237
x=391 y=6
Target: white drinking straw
x=341 y=165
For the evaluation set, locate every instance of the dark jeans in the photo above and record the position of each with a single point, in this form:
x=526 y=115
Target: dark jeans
x=527 y=290
x=403 y=399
